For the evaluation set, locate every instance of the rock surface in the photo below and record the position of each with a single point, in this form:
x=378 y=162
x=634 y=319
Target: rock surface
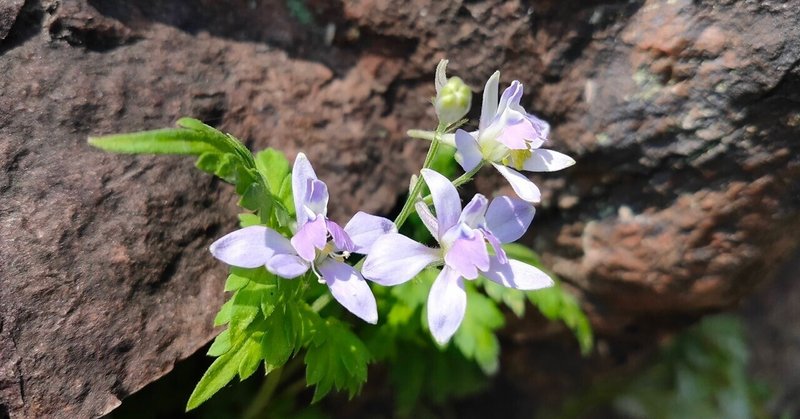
x=682 y=116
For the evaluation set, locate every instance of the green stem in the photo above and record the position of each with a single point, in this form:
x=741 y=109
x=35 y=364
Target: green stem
x=265 y=393
x=421 y=134
x=466 y=177
x=408 y=206
x=321 y=302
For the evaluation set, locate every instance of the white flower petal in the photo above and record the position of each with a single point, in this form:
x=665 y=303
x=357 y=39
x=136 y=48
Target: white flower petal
x=395 y=259
x=302 y=172
x=447 y=303
x=489 y=105
x=517 y=275
x=427 y=218
x=468 y=154
x=508 y=218
x=524 y=188
x=364 y=229
x=543 y=160
x=349 y=289
x=250 y=247
x=445 y=199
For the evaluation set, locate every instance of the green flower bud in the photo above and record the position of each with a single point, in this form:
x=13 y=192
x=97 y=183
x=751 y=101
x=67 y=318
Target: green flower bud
x=453 y=96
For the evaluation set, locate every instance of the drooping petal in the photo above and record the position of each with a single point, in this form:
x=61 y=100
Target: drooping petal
x=499 y=252
x=340 y=238
x=395 y=259
x=349 y=289
x=468 y=253
x=316 y=198
x=311 y=236
x=427 y=218
x=468 y=154
x=445 y=199
x=474 y=211
x=287 y=266
x=364 y=229
x=447 y=303
x=542 y=160
x=302 y=172
x=521 y=185
x=509 y=218
x=250 y=247
x=518 y=275
x=489 y=105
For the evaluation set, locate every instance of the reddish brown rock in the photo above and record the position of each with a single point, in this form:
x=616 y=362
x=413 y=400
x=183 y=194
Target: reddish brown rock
x=682 y=116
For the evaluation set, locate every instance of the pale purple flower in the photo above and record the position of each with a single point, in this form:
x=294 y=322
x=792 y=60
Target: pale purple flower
x=509 y=138
x=318 y=244
x=463 y=236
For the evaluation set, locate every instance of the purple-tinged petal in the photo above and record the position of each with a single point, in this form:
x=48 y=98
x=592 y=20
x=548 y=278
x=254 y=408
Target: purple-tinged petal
x=511 y=97
x=518 y=275
x=509 y=218
x=524 y=188
x=341 y=239
x=349 y=289
x=447 y=303
x=474 y=211
x=445 y=199
x=489 y=105
x=250 y=247
x=395 y=259
x=427 y=218
x=496 y=245
x=311 y=236
x=542 y=160
x=302 y=172
x=516 y=136
x=468 y=154
x=541 y=126
x=467 y=253
x=287 y=266
x=364 y=229
x=316 y=198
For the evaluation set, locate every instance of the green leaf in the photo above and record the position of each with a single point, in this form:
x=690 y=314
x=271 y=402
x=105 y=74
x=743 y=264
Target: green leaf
x=160 y=141
x=247 y=220
x=556 y=303
x=476 y=337
x=224 y=314
x=236 y=281
x=222 y=165
x=250 y=355
x=278 y=344
x=338 y=359
x=217 y=138
x=274 y=167
x=222 y=344
x=220 y=373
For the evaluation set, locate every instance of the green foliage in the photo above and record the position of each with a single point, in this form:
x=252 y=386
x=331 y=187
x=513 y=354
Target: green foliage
x=554 y=302
x=476 y=337
x=702 y=374
x=336 y=358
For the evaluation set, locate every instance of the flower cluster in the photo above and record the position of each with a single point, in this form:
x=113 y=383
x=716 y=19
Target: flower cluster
x=470 y=238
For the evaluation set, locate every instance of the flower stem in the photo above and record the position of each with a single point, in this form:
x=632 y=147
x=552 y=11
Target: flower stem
x=261 y=401
x=408 y=206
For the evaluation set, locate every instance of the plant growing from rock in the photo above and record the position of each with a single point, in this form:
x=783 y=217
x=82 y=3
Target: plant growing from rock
x=289 y=261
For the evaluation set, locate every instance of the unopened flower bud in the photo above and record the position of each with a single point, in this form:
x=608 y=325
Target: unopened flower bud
x=453 y=96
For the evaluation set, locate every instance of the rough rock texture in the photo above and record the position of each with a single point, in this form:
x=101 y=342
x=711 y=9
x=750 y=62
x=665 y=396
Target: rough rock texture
x=682 y=115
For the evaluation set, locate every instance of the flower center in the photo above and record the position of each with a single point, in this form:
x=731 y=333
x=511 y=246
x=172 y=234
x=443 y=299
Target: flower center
x=517 y=158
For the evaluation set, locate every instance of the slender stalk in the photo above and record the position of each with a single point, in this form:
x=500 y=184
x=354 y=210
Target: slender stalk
x=265 y=393
x=408 y=206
